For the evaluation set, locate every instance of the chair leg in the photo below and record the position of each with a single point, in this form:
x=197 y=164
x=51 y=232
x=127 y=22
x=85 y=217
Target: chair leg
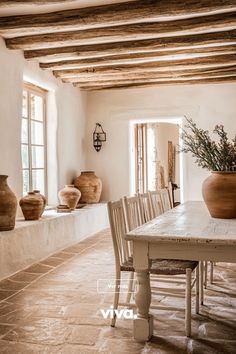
x=201 y=283
x=211 y=271
x=188 y=303
x=197 y=291
x=205 y=273
x=116 y=298
x=130 y=287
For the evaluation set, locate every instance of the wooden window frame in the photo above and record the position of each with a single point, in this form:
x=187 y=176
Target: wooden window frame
x=35 y=90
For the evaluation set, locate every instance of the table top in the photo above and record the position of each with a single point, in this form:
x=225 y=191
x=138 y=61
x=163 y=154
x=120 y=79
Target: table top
x=189 y=222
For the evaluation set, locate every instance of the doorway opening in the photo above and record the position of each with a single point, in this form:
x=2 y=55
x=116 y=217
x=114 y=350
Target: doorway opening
x=156 y=162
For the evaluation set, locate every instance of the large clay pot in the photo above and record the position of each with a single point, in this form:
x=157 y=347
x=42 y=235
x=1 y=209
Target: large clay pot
x=90 y=187
x=69 y=196
x=43 y=197
x=219 y=194
x=8 y=205
x=32 y=206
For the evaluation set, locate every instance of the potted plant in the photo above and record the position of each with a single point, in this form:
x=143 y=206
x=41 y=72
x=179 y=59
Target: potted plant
x=219 y=157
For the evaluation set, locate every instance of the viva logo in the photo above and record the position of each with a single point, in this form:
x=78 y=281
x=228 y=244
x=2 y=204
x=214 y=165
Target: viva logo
x=123 y=313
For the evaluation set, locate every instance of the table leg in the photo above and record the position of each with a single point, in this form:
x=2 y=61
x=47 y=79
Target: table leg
x=143 y=324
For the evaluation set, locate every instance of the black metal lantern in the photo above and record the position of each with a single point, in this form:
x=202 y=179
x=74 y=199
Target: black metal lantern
x=99 y=136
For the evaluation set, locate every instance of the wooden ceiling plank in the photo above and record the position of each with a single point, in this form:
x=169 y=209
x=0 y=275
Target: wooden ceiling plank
x=114 y=14
x=206 y=24
x=142 y=46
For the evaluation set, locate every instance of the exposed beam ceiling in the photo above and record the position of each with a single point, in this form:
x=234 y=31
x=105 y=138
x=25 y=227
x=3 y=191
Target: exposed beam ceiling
x=205 y=24
x=128 y=44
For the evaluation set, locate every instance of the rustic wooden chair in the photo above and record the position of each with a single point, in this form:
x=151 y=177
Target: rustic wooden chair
x=124 y=262
x=155 y=203
x=165 y=199
x=145 y=207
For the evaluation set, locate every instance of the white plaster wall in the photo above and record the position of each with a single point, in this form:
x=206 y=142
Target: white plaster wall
x=208 y=105
x=66 y=122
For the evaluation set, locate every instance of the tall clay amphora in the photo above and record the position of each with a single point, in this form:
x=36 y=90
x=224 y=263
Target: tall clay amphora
x=8 y=205
x=90 y=187
x=219 y=194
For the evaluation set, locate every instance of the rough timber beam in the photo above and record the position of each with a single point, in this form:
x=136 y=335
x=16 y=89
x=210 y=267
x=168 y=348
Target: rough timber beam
x=197 y=25
x=127 y=69
x=147 y=76
x=114 y=60
x=113 y=15
x=142 y=46
x=172 y=82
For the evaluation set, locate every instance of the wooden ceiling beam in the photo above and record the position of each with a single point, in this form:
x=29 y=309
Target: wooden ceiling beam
x=20 y=3
x=147 y=75
x=220 y=60
x=197 y=25
x=151 y=80
x=189 y=81
x=142 y=46
x=140 y=57
x=113 y=15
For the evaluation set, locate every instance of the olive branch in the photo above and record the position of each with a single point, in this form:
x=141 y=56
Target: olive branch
x=219 y=155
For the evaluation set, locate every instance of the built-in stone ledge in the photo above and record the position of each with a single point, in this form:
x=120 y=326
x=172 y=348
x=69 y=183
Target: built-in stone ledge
x=32 y=241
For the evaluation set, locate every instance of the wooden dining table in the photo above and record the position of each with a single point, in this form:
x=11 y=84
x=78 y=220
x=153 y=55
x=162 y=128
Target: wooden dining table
x=185 y=232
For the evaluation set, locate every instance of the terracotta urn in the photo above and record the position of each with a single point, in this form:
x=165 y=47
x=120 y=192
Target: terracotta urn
x=8 y=205
x=32 y=206
x=219 y=194
x=69 y=196
x=43 y=197
x=90 y=187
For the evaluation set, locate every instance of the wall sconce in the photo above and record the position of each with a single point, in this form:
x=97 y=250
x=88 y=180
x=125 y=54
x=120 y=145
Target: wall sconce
x=99 y=136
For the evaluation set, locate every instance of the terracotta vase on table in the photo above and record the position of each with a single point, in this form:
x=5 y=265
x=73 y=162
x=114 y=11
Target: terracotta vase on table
x=219 y=194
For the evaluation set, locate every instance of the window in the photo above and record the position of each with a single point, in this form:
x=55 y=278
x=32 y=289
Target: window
x=33 y=141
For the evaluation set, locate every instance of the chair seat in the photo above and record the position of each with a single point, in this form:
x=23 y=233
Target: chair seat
x=164 y=266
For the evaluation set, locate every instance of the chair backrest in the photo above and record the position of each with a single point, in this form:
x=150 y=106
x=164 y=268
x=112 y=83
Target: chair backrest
x=156 y=204
x=165 y=199
x=132 y=212
x=118 y=229
x=145 y=207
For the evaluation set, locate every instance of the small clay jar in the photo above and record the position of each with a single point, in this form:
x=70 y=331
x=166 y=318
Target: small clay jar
x=36 y=191
x=69 y=196
x=32 y=206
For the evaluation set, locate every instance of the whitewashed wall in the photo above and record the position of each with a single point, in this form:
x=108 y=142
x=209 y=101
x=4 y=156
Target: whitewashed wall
x=66 y=122
x=208 y=105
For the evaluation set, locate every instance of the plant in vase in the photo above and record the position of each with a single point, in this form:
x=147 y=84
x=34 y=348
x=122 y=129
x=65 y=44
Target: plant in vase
x=219 y=157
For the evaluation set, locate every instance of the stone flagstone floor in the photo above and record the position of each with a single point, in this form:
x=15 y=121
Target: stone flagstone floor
x=54 y=307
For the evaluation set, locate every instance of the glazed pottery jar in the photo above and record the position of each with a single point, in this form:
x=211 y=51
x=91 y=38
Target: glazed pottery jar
x=8 y=205
x=219 y=194
x=90 y=187
x=69 y=196
x=43 y=197
x=32 y=206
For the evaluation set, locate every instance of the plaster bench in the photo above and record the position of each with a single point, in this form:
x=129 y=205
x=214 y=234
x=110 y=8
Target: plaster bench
x=32 y=241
